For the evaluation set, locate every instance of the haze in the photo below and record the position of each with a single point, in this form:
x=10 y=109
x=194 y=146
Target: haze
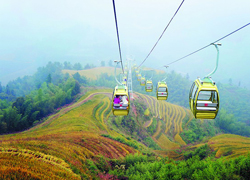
x=33 y=33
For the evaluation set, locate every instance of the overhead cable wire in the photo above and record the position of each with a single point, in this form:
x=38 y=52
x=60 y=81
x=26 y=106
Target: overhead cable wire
x=117 y=32
x=162 y=33
x=210 y=44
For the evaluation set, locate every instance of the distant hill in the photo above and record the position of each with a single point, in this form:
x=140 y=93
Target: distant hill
x=95 y=72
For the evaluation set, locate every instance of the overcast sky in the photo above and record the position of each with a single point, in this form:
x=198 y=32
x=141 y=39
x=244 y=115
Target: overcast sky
x=33 y=33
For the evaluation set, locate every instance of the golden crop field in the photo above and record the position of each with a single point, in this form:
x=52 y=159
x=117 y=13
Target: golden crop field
x=60 y=146
x=93 y=73
x=230 y=145
x=172 y=116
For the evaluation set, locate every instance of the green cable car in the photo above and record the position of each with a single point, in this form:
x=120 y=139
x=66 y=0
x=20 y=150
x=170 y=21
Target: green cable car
x=121 y=102
x=149 y=86
x=162 y=91
x=204 y=99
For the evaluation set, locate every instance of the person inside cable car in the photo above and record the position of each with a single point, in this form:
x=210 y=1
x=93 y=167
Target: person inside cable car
x=117 y=100
x=124 y=99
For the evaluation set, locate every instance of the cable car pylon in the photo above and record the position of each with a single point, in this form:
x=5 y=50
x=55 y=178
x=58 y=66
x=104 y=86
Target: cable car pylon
x=129 y=82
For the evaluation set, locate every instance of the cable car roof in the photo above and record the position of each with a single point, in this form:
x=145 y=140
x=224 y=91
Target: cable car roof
x=206 y=83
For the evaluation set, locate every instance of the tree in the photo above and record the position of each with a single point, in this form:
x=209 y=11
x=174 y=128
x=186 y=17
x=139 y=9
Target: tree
x=230 y=81
x=1 y=88
x=48 y=80
x=110 y=63
x=11 y=117
x=102 y=63
x=18 y=104
x=87 y=66
x=8 y=90
x=77 y=66
x=77 y=77
x=67 y=65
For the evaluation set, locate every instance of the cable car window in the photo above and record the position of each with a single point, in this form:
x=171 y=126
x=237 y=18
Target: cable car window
x=191 y=90
x=194 y=90
x=206 y=95
x=214 y=96
x=162 y=89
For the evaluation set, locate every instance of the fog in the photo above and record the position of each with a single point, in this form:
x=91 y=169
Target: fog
x=33 y=33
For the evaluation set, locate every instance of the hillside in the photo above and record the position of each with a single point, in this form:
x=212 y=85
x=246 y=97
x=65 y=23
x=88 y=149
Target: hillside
x=79 y=141
x=59 y=147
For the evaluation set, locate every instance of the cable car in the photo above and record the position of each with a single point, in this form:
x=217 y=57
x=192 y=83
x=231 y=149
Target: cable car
x=162 y=91
x=139 y=77
x=121 y=102
x=143 y=81
x=124 y=83
x=136 y=72
x=204 y=98
x=149 y=86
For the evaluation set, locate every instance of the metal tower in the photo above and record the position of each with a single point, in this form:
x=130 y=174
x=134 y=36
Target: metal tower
x=129 y=82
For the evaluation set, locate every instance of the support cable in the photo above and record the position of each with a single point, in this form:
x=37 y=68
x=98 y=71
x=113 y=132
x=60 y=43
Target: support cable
x=162 y=33
x=117 y=32
x=210 y=44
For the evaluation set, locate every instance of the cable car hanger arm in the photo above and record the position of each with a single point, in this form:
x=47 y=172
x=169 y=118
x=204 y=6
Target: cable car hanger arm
x=217 y=59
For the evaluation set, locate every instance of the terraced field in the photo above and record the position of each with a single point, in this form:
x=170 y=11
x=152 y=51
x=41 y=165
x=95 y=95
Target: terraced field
x=93 y=73
x=59 y=147
x=172 y=115
x=230 y=145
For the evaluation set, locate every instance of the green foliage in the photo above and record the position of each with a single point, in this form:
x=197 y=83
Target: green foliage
x=151 y=143
x=152 y=128
x=229 y=124
x=197 y=130
x=122 y=140
x=27 y=111
x=202 y=151
x=143 y=167
x=91 y=166
x=79 y=78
